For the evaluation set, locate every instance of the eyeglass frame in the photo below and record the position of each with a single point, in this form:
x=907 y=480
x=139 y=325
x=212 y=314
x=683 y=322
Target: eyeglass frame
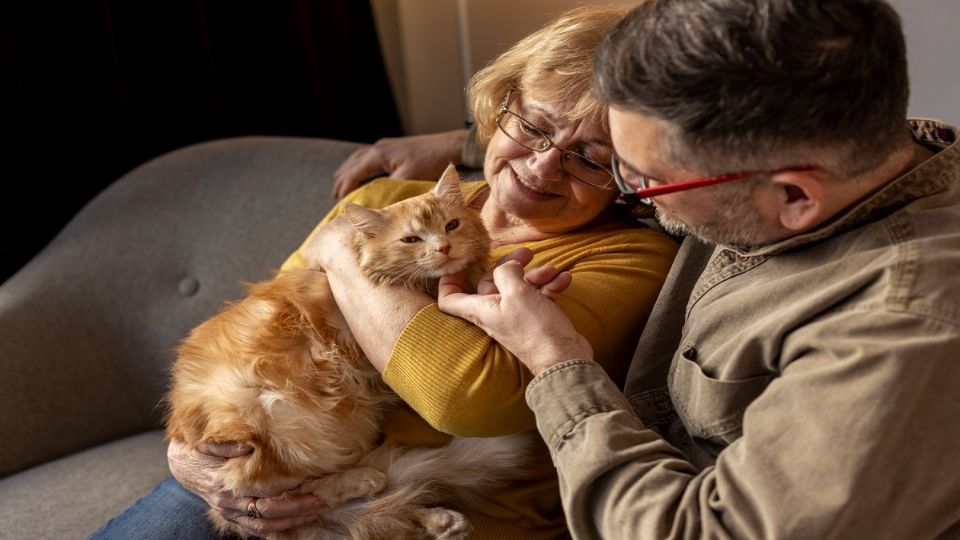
x=646 y=192
x=564 y=153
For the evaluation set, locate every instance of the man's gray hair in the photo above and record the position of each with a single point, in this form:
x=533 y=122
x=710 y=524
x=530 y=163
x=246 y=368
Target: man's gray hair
x=762 y=83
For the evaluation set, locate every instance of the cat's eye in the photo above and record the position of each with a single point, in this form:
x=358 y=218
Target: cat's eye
x=454 y=223
x=410 y=239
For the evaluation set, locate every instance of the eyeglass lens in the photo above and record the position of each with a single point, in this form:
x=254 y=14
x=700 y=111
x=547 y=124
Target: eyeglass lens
x=531 y=137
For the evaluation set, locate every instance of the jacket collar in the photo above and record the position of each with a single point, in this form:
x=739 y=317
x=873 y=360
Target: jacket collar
x=932 y=176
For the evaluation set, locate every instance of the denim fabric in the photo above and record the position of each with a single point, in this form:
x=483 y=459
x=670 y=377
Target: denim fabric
x=167 y=512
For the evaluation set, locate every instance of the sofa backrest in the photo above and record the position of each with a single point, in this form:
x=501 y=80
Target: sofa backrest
x=88 y=327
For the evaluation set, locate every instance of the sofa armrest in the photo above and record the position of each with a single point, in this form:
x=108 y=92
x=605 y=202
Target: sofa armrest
x=89 y=325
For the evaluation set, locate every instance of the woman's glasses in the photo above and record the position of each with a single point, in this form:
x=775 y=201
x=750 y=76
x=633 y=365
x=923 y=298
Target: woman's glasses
x=533 y=138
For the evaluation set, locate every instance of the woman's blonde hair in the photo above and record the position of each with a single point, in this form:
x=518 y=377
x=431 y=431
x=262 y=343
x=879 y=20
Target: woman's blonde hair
x=551 y=64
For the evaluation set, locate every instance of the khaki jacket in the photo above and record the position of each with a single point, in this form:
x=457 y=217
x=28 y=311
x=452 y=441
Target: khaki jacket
x=812 y=386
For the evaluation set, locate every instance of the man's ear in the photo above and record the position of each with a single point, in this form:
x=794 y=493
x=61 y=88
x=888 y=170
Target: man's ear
x=801 y=203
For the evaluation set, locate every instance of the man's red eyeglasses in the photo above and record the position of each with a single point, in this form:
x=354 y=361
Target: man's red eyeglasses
x=644 y=191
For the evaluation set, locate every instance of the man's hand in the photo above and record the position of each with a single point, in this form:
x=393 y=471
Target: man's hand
x=264 y=510
x=421 y=157
x=517 y=310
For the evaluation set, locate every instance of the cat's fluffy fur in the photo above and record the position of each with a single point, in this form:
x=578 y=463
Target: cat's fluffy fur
x=280 y=371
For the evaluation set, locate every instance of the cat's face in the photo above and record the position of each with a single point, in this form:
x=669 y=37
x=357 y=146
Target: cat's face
x=423 y=237
x=435 y=237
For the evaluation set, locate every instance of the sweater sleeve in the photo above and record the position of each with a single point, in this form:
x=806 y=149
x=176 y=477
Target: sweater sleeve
x=464 y=383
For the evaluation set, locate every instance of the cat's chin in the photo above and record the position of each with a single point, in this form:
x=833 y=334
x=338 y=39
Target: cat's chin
x=447 y=268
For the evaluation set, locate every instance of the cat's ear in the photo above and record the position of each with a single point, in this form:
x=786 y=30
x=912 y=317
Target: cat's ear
x=448 y=187
x=366 y=220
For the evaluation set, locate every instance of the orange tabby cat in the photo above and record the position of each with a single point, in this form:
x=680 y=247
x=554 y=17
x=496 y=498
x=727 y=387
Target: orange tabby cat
x=280 y=371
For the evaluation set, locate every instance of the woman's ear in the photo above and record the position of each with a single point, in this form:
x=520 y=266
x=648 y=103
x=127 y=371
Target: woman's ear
x=800 y=200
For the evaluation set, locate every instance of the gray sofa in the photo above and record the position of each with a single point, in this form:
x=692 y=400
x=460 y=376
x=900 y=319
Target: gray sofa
x=88 y=327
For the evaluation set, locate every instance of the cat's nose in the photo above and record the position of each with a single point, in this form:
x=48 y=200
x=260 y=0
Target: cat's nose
x=445 y=249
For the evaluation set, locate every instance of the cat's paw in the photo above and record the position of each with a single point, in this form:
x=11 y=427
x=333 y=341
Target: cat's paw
x=336 y=489
x=443 y=524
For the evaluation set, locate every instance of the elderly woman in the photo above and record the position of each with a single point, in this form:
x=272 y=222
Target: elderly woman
x=548 y=188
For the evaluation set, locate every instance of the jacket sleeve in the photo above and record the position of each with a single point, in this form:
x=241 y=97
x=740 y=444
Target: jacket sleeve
x=856 y=439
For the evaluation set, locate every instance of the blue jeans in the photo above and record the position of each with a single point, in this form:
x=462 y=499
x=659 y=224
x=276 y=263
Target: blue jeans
x=167 y=512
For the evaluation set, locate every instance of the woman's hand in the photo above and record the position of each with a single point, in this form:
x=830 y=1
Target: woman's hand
x=329 y=248
x=267 y=509
x=517 y=310
x=413 y=157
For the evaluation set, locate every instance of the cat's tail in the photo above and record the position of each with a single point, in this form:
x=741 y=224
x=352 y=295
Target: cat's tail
x=457 y=475
x=465 y=465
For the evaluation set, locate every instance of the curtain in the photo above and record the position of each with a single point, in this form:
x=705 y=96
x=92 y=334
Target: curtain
x=92 y=89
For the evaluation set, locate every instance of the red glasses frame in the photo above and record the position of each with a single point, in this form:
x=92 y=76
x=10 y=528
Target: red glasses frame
x=645 y=192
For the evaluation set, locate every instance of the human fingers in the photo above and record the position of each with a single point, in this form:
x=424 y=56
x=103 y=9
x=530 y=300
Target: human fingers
x=509 y=278
x=557 y=285
x=522 y=255
x=486 y=284
x=361 y=165
x=263 y=527
x=196 y=471
x=541 y=275
x=451 y=284
x=548 y=280
x=225 y=450
x=266 y=516
x=284 y=506
x=328 y=243
x=471 y=307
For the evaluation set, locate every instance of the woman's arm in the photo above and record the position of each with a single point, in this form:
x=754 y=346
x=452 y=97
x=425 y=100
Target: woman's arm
x=375 y=314
x=450 y=371
x=464 y=382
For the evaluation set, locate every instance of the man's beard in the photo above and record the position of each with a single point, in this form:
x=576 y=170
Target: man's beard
x=733 y=223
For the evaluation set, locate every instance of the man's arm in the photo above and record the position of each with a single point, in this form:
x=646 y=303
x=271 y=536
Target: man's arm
x=855 y=439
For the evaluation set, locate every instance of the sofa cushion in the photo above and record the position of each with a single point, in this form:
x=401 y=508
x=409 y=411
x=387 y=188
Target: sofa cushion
x=76 y=495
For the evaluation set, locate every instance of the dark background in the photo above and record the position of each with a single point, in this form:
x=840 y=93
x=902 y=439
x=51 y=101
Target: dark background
x=90 y=90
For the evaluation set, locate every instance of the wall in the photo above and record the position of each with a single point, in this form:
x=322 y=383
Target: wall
x=433 y=46
x=933 y=45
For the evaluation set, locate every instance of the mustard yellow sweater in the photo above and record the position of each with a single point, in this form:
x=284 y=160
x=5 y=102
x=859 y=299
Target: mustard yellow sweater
x=461 y=382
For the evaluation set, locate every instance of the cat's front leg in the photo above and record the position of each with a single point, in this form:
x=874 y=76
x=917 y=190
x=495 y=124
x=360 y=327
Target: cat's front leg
x=338 y=488
x=442 y=523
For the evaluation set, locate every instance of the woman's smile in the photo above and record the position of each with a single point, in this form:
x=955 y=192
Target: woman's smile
x=530 y=189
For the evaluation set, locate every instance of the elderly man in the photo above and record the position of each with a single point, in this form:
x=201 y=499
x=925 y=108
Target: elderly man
x=809 y=342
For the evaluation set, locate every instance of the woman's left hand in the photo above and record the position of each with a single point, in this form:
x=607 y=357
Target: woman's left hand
x=269 y=508
x=517 y=310
x=330 y=245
